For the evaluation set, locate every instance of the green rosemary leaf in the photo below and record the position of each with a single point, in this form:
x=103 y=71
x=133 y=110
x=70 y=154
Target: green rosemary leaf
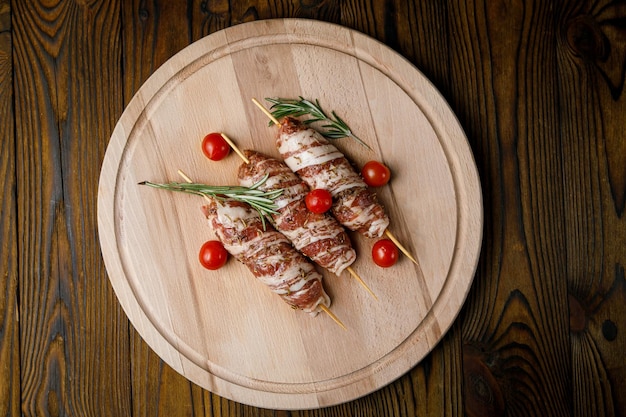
x=261 y=201
x=334 y=128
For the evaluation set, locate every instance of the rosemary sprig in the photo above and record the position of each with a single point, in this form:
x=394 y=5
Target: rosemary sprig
x=335 y=127
x=261 y=201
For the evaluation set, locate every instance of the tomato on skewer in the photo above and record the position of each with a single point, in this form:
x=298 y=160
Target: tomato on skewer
x=215 y=147
x=385 y=253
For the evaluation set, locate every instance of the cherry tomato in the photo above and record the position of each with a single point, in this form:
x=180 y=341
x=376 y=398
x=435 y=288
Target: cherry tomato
x=213 y=255
x=318 y=201
x=215 y=147
x=385 y=253
x=375 y=174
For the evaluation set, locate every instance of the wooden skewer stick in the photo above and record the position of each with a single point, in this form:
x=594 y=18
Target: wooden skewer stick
x=332 y=316
x=266 y=111
x=399 y=245
x=186 y=178
x=322 y=306
x=235 y=148
x=182 y=174
x=358 y=278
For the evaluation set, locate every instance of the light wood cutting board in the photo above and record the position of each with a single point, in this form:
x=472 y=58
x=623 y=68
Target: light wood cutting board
x=223 y=329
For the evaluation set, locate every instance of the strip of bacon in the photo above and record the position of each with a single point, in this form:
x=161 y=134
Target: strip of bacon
x=321 y=165
x=317 y=236
x=268 y=255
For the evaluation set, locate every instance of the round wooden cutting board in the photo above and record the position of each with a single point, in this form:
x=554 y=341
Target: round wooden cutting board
x=223 y=329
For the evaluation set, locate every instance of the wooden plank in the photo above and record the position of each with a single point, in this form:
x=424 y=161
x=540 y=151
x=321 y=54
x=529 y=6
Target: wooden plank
x=9 y=324
x=593 y=135
x=553 y=191
x=520 y=295
x=74 y=335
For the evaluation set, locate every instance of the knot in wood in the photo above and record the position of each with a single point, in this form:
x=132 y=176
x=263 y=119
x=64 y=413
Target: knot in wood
x=577 y=315
x=585 y=38
x=144 y=14
x=609 y=330
x=483 y=394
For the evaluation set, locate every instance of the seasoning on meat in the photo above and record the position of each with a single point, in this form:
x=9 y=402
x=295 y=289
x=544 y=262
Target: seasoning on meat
x=268 y=255
x=321 y=165
x=317 y=236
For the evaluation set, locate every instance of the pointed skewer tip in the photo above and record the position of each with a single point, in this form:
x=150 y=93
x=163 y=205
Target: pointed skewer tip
x=332 y=316
x=402 y=248
x=267 y=112
x=360 y=281
x=235 y=148
x=186 y=178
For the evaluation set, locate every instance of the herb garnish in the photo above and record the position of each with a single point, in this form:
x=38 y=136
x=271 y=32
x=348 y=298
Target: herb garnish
x=261 y=201
x=335 y=127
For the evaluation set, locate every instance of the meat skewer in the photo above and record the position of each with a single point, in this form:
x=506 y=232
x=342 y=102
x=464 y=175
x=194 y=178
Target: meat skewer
x=268 y=254
x=318 y=236
x=321 y=165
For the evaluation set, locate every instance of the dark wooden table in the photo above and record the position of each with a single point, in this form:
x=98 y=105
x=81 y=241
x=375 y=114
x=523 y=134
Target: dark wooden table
x=539 y=89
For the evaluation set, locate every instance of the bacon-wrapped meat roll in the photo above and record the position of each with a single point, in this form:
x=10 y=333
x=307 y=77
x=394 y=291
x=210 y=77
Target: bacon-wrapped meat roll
x=268 y=254
x=321 y=165
x=317 y=236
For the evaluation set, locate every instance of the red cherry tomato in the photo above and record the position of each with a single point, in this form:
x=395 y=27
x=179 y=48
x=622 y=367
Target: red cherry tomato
x=375 y=174
x=385 y=253
x=318 y=201
x=213 y=255
x=215 y=147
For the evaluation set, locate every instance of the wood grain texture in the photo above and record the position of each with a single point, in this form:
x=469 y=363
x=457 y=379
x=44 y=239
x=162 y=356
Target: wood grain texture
x=9 y=322
x=70 y=322
x=539 y=91
x=505 y=353
x=543 y=173
x=592 y=65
